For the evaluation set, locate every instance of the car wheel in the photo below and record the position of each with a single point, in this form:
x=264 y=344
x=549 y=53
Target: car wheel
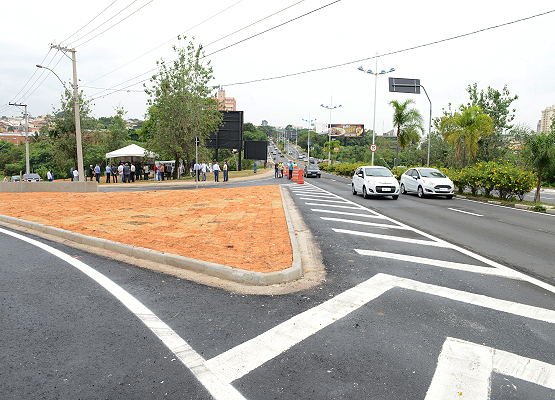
x=420 y=192
x=395 y=197
x=364 y=192
x=449 y=196
x=353 y=191
x=403 y=190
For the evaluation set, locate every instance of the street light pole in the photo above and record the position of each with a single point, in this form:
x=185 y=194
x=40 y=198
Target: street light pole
x=375 y=96
x=330 y=107
x=27 y=165
x=308 y=141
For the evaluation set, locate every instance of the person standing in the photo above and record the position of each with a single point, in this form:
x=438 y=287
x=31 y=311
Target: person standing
x=196 y=170
x=203 y=168
x=49 y=176
x=108 y=173
x=161 y=170
x=169 y=170
x=290 y=170
x=97 y=172
x=132 y=172
x=145 y=170
x=76 y=175
x=120 y=171
x=276 y=170
x=114 y=173
x=126 y=173
x=226 y=171
x=216 y=172
x=71 y=174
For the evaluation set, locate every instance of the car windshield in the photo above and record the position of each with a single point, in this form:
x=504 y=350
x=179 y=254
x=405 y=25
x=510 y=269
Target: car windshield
x=312 y=167
x=431 y=173
x=377 y=172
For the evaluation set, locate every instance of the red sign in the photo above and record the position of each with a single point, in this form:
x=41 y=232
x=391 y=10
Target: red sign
x=373 y=148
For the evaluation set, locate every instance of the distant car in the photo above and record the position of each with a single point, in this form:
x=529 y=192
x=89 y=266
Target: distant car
x=15 y=178
x=32 y=178
x=374 y=181
x=311 y=159
x=274 y=152
x=427 y=182
x=312 y=170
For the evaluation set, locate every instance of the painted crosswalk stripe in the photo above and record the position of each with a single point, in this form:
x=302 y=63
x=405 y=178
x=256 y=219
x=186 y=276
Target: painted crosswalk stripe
x=394 y=238
x=324 y=200
x=441 y=263
x=350 y=214
x=464 y=370
x=365 y=223
x=334 y=205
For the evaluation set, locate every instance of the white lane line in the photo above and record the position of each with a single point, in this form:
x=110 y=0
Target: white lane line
x=394 y=238
x=348 y=213
x=440 y=263
x=334 y=205
x=182 y=350
x=464 y=370
x=350 y=221
x=338 y=201
x=465 y=212
x=244 y=358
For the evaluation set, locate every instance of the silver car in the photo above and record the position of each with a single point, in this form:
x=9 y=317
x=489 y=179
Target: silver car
x=427 y=182
x=375 y=181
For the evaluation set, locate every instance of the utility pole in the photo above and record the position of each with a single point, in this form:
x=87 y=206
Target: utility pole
x=27 y=166
x=80 y=164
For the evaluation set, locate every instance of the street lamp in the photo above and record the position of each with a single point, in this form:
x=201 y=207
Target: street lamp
x=375 y=95
x=330 y=107
x=310 y=121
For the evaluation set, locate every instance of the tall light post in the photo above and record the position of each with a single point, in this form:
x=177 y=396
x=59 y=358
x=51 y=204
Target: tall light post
x=375 y=95
x=310 y=121
x=27 y=165
x=330 y=107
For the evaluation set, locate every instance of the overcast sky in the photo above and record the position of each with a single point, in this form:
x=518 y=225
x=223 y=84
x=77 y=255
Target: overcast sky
x=520 y=55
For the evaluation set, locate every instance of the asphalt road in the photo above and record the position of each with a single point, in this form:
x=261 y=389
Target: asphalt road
x=419 y=302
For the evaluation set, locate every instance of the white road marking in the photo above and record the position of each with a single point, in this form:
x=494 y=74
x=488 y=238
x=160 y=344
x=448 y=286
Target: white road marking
x=244 y=358
x=465 y=212
x=348 y=213
x=464 y=370
x=333 y=205
x=340 y=201
x=440 y=263
x=350 y=221
x=182 y=350
x=395 y=238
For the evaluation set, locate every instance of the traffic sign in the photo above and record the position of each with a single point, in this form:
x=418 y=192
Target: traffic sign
x=373 y=147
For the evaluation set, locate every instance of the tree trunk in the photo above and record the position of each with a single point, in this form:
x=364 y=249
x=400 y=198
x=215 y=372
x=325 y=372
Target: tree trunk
x=538 y=187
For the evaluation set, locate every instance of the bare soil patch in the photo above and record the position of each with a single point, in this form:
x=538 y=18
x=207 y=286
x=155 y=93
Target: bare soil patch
x=240 y=227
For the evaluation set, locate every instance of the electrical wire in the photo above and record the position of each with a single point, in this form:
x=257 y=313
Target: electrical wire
x=13 y=100
x=23 y=97
x=88 y=23
x=396 y=51
x=217 y=51
x=44 y=80
x=157 y=47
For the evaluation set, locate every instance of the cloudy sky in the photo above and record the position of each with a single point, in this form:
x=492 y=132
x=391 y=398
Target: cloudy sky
x=349 y=32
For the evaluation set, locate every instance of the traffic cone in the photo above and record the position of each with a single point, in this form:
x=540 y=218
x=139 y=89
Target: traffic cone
x=295 y=173
x=301 y=176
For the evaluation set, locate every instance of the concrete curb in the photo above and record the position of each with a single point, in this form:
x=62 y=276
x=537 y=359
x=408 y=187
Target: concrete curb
x=215 y=270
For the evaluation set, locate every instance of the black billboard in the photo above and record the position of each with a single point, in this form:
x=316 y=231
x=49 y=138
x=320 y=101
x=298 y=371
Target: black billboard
x=230 y=134
x=256 y=150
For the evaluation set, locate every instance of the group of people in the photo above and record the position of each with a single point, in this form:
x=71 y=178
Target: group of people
x=279 y=168
x=203 y=168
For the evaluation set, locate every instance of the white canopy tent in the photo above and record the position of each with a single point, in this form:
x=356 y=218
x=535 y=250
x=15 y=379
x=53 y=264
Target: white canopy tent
x=131 y=151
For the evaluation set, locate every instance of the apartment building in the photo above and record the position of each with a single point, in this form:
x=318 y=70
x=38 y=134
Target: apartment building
x=226 y=103
x=547 y=119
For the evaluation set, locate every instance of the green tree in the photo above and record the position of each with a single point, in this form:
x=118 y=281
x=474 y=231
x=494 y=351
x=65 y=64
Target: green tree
x=181 y=105
x=116 y=133
x=408 y=122
x=497 y=105
x=464 y=129
x=539 y=152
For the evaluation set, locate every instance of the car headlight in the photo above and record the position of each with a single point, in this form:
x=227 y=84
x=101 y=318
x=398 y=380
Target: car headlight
x=371 y=182
x=427 y=182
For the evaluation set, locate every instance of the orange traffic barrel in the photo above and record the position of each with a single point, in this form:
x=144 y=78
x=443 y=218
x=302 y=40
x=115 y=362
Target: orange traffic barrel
x=300 y=178
x=295 y=173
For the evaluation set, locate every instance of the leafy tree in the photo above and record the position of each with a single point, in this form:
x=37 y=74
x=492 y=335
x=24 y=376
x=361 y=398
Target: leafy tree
x=408 y=122
x=181 y=106
x=497 y=105
x=117 y=132
x=539 y=152
x=464 y=129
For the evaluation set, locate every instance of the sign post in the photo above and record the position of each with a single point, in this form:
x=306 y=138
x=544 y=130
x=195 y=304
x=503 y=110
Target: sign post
x=402 y=85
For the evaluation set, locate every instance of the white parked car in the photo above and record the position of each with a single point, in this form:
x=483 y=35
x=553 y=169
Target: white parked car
x=427 y=181
x=375 y=181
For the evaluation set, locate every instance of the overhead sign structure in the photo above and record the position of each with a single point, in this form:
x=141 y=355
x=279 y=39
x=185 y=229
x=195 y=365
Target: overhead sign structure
x=342 y=130
x=290 y=134
x=403 y=85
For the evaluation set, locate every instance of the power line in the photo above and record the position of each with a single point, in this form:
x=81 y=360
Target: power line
x=394 y=52
x=13 y=100
x=173 y=37
x=34 y=90
x=87 y=24
x=243 y=40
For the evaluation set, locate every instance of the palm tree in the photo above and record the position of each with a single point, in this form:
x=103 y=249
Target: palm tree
x=539 y=152
x=464 y=129
x=408 y=122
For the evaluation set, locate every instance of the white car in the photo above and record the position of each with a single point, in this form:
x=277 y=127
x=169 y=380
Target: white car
x=375 y=181
x=427 y=181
